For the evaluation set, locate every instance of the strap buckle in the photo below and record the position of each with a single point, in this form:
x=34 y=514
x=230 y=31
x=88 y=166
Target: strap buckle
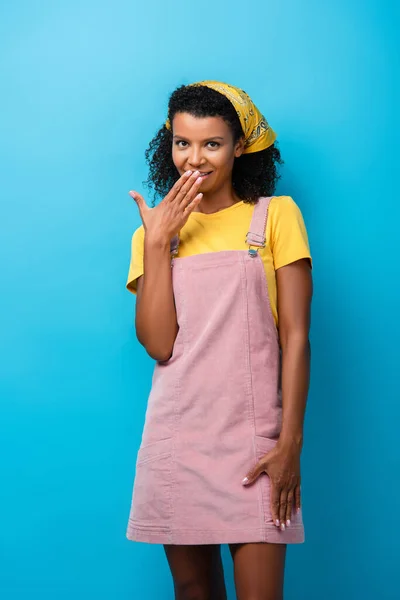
x=257 y=243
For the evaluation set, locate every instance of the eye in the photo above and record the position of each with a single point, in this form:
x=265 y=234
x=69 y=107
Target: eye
x=213 y=146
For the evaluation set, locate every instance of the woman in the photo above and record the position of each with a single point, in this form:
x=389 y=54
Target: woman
x=222 y=273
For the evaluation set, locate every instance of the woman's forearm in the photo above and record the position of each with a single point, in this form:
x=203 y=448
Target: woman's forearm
x=156 y=321
x=296 y=353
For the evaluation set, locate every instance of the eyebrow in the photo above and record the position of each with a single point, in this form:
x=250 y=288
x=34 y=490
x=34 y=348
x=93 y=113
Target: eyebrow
x=213 y=137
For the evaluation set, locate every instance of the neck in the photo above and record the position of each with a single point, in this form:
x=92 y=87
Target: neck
x=218 y=199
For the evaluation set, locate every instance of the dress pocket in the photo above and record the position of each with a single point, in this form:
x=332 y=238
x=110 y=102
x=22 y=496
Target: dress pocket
x=263 y=446
x=151 y=499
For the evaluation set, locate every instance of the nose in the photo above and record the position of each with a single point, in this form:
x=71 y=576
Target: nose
x=195 y=159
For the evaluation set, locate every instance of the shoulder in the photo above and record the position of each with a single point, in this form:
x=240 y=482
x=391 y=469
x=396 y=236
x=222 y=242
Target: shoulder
x=138 y=235
x=284 y=214
x=286 y=231
x=139 y=232
x=137 y=242
x=282 y=205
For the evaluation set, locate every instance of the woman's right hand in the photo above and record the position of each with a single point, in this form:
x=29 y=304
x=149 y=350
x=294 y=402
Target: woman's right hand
x=166 y=219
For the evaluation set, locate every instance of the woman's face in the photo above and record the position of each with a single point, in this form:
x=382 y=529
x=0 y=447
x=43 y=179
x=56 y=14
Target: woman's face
x=204 y=144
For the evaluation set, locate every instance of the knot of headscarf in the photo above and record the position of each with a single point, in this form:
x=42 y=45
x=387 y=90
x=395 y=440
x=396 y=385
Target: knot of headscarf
x=257 y=132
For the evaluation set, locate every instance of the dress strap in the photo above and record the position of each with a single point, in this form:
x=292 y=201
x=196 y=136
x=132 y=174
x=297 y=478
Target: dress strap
x=174 y=244
x=256 y=236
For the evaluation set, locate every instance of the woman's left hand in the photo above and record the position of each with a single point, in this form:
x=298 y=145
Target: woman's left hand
x=282 y=465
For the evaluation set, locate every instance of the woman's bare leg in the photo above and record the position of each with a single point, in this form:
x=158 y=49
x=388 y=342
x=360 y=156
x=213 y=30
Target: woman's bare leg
x=197 y=572
x=259 y=570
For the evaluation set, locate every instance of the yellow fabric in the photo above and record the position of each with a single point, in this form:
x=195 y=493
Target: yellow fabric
x=257 y=132
x=226 y=229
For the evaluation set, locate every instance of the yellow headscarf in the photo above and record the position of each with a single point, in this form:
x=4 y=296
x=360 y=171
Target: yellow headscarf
x=258 y=134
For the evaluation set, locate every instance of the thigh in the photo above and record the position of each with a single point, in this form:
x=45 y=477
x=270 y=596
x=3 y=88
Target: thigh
x=197 y=572
x=259 y=570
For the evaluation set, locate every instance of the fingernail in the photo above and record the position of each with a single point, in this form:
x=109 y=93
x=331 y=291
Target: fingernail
x=245 y=480
x=131 y=194
x=297 y=510
x=283 y=527
x=277 y=523
x=288 y=522
x=188 y=173
x=196 y=173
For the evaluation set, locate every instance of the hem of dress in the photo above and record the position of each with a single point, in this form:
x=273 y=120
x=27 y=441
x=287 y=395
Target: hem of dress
x=269 y=534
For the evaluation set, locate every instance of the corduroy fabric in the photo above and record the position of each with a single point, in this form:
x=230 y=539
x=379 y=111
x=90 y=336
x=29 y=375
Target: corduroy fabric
x=214 y=407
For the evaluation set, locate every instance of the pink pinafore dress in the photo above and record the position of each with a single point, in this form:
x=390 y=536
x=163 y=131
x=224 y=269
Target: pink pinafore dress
x=214 y=407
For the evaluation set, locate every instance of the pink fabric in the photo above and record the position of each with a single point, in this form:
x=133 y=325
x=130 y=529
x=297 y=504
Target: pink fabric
x=214 y=408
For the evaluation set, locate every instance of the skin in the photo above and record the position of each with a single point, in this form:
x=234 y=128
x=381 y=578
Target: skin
x=155 y=319
x=206 y=144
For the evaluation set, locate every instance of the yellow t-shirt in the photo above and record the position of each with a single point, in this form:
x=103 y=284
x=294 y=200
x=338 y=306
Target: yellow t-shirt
x=226 y=229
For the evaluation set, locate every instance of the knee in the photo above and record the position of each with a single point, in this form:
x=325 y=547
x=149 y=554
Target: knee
x=191 y=590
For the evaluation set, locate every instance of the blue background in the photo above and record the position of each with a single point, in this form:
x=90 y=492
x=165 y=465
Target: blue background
x=85 y=87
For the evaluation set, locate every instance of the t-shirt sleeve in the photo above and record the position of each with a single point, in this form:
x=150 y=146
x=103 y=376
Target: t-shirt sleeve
x=136 y=264
x=288 y=235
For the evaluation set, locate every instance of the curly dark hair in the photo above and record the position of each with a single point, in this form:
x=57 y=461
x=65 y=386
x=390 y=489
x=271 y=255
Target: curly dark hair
x=254 y=174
